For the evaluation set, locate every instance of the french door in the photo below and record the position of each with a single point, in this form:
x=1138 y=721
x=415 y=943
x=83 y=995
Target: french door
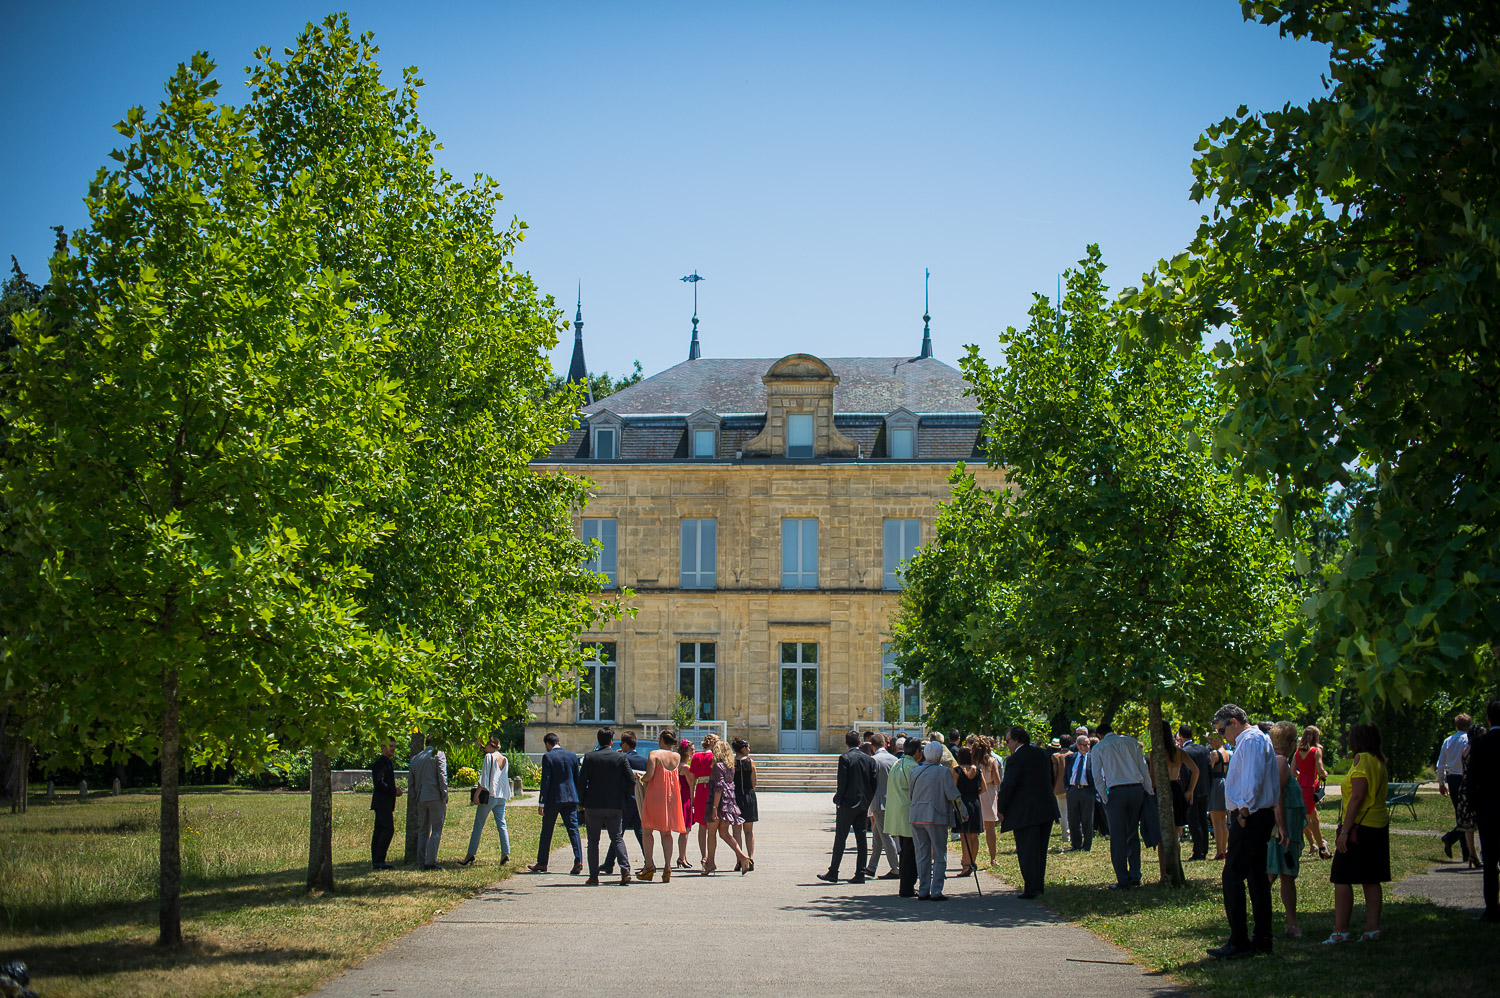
x=799 y=697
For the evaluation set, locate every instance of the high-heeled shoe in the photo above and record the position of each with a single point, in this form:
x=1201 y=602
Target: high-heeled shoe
x=1323 y=852
x=1474 y=863
x=666 y=875
x=466 y=860
x=645 y=875
x=709 y=868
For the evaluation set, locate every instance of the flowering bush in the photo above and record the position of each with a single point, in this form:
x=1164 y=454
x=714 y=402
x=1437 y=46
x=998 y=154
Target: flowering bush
x=465 y=777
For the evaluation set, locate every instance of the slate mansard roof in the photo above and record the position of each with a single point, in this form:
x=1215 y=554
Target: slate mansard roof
x=655 y=411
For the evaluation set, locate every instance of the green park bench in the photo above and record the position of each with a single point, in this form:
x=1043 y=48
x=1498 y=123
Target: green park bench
x=1402 y=794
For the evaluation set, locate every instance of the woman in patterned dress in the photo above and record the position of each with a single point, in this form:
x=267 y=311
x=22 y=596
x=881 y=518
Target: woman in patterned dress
x=723 y=813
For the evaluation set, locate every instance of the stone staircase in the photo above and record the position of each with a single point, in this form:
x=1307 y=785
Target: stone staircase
x=788 y=773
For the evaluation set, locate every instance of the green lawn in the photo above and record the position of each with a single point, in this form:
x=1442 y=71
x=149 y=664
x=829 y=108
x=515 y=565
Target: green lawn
x=1427 y=949
x=78 y=889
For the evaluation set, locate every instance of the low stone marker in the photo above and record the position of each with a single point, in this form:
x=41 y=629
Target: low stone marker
x=51 y=792
x=115 y=790
x=83 y=791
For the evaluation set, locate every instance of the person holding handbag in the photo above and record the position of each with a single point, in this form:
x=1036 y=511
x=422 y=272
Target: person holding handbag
x=489 y=798
x=933 y=797
x=970 y=783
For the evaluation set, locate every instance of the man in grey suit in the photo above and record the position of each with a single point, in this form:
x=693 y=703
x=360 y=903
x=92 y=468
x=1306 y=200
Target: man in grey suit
x=428 y=783
x=884 y=762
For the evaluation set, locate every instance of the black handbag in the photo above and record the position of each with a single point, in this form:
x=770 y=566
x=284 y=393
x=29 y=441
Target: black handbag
x=479 y=795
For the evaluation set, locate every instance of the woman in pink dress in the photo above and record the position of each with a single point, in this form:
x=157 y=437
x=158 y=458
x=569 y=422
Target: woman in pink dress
x=701 y=768
x=983 y=747
x=685 y=782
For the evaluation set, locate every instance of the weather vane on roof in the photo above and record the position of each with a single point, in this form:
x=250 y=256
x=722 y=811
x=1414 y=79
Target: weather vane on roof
x=694 y=351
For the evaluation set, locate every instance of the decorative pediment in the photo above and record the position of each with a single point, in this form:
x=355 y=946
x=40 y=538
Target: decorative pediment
x=800 y=367
x=799 y=392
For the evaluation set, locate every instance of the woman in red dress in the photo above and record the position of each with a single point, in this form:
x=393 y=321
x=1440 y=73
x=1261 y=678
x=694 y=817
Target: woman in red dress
x=1308 y=762
x=702 y=767
x=685 y=783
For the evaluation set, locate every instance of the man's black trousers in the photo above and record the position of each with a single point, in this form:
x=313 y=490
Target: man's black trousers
x=611 y=821
x=1197 y=820
x=850 y=818
x=380 y=840
x=1031 y=856
x=1489 y=851
x=1455 y=785
x=908 y=859
x=1246 y=865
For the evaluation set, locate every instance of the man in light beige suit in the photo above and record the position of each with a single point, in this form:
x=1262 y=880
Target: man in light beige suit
x=428 y=783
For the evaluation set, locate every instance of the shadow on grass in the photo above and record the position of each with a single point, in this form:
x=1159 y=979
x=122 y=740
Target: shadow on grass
x=227 y=894
x=117 y=956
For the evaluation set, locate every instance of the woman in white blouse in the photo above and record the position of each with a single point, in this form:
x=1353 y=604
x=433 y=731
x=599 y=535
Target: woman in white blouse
x=494 y=781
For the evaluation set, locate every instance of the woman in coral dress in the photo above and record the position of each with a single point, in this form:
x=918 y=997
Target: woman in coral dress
x=662 y=813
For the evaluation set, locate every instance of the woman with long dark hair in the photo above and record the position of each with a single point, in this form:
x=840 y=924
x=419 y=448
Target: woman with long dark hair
x=744 y=796
x=1362 y=850
x=970 y=784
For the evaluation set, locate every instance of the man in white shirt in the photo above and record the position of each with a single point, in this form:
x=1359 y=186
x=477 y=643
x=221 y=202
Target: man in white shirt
x=1121 y=779
x=1450 y=778
x=1251 y=790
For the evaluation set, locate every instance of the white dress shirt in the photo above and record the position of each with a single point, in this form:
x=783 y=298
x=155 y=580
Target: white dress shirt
x=1118 y=761
x=1254 y=780
x=1451 y=758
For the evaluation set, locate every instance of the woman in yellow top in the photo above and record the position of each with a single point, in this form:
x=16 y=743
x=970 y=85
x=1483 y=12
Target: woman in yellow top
x=1362 y=853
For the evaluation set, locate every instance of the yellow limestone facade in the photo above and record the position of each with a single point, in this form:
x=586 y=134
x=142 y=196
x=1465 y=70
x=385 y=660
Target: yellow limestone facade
x=753 y=622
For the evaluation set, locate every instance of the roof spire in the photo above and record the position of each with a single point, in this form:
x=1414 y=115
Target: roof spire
x=926 y=315
x=578 y=370
x=694 y=350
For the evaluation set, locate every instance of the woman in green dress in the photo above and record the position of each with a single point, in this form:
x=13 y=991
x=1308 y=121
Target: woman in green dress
x=1284 y=851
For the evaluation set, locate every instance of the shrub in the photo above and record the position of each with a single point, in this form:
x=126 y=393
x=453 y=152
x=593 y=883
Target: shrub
x=465 y=777
x=363 y=786
x=520 y=764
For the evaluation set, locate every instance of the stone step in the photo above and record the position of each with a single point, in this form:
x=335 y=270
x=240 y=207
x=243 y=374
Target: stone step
x=796 y=772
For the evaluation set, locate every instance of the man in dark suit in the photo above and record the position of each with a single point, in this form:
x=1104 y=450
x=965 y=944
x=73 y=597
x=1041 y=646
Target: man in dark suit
x=1482 y=783
x=558 y=798
x=383 y=803
x=1197 y=814
x=632 y=817
x=605 y=784
x=1078 y=778
x=1027 y=807
x=855 y=794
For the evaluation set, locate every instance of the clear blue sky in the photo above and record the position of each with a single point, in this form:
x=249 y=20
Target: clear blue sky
x=809 y=159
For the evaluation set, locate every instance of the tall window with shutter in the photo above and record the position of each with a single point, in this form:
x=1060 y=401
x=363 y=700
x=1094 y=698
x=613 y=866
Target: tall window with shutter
x=799 y=554
x=603 y=560
x=901 y=540
x=699 y=554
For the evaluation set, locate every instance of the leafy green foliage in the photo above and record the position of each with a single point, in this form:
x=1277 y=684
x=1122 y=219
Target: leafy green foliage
x=1123 y=562
x=1353 y=248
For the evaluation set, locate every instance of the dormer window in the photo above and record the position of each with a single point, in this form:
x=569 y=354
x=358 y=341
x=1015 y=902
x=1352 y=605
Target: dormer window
x=799 y=434
x=604 y=435
x=606 y=443
x=901 y=435
x=703 y=435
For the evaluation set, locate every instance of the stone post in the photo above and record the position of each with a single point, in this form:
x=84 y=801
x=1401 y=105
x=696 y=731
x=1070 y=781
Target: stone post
x=115 y=790
x=83 y=791
x=51 y=792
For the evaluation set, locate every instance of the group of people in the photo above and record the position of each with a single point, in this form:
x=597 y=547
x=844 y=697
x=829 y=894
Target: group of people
x=1258 y=784
x=658 y=797
x=914 y=793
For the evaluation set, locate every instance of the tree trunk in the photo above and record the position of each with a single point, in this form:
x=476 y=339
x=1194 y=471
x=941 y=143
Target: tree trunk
x=170 y=913
x=20 y=773
x=417 y=744
x=1169 y=854
x=320 y=828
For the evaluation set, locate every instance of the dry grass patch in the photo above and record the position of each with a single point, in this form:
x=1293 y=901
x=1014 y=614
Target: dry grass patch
x=78 y=889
